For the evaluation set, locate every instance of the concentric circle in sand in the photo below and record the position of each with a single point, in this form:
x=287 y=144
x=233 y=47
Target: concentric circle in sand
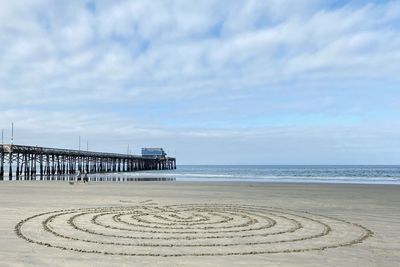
x=189 y=230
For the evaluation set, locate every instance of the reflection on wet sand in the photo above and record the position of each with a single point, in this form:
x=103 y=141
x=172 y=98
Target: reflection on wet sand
x=100 y=178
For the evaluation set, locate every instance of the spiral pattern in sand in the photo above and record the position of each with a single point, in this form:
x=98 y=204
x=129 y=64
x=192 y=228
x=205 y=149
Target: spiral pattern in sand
x=189 y=230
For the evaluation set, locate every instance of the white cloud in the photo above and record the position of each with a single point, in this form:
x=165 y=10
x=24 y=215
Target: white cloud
x=59 y=59
x=155 y=44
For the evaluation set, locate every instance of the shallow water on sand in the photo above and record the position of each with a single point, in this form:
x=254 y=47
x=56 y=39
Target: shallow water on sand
x=289 y=173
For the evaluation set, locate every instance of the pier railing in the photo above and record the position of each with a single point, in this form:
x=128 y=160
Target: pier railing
x=30 y=161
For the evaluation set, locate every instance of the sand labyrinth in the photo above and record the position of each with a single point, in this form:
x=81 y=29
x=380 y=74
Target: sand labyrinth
x=188 y=230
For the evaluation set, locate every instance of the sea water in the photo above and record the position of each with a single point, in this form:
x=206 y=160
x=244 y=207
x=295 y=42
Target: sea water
x=289 y=173
x=366 y=174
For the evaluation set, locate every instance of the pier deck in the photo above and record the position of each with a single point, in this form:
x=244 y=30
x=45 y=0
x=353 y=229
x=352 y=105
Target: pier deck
x=26 y=162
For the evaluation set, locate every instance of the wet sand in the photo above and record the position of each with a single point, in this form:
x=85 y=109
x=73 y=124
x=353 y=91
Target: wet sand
x=198 y=224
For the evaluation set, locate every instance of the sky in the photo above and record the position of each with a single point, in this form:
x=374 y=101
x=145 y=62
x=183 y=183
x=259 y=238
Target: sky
x=213 y=82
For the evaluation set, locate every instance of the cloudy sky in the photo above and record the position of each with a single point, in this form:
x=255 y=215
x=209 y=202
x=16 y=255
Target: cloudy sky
x=221 y=82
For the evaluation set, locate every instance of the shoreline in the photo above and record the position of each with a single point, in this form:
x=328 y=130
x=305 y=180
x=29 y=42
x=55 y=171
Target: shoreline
x=194 y=181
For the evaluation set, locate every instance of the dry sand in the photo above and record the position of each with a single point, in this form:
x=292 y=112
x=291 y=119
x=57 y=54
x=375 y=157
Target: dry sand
x=198 y=224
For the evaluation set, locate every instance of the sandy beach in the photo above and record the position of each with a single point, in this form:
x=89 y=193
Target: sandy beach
x=198 y=224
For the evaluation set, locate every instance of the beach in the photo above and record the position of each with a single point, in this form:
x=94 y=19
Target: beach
x=51 y=223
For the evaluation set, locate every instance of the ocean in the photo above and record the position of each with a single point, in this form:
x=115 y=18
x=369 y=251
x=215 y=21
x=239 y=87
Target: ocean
x=352 y=174
x=267 y=173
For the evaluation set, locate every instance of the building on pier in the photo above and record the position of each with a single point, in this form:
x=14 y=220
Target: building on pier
x=153 y=152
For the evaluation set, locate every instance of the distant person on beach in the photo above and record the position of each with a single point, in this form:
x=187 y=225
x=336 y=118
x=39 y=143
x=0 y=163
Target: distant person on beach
x=86 y=178
x=78 y=176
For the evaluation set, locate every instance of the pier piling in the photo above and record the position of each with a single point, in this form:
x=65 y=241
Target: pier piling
x=26 y=162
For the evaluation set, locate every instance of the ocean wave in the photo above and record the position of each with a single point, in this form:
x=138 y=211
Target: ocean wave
x=297 y=174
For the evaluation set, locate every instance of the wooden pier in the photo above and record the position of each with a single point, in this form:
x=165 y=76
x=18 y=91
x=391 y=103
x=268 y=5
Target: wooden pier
x=28 y=162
